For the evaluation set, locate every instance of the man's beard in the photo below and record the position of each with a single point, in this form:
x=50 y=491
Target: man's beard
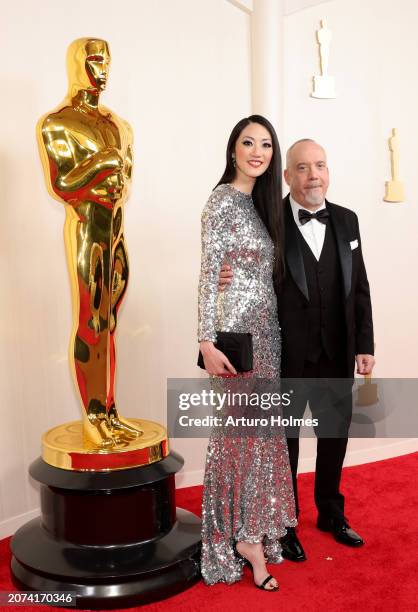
x=314 y=196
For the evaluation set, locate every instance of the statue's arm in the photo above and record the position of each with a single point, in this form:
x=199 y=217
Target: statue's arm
x=86 y=171
x=129 y=154
x=74 y=170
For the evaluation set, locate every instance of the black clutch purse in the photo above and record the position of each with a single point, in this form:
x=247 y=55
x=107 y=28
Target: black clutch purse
x=237 y=347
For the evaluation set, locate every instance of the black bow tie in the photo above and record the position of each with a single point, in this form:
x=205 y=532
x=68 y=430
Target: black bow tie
x=305 y=216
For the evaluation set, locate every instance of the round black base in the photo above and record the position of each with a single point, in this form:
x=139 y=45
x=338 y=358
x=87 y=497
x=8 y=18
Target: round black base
x=148 y=551
x=108 y=577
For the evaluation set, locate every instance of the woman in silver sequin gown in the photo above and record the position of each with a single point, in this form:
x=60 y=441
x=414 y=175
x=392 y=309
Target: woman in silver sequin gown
x=248 y=495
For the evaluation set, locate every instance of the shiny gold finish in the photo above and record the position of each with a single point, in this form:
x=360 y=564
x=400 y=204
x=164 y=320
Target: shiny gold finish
x=367 y=393
x=65 y=447
x=394 y=191
x=86 y=152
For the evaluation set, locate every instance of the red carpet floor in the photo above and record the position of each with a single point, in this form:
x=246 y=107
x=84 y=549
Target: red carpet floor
x=381 y=503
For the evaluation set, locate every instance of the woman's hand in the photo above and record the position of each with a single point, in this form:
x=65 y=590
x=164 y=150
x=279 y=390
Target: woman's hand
x=216 y=363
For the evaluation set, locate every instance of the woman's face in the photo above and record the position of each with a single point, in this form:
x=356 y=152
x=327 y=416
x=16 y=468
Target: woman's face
x=253 y=151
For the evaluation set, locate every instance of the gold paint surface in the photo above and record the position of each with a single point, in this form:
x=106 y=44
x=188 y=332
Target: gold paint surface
x=86 y=153
x=367 y=393
x=394 y=192
x=67 y=447
x=394 y=189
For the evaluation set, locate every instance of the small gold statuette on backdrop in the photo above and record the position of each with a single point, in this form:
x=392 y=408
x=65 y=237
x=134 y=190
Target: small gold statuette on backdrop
x=86 y=152
x=394 y=189
x=367 y=392
x=324 y=84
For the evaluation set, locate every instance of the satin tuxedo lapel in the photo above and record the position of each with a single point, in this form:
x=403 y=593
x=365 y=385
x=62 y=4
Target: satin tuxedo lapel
x=294 y=257
x=343 y=244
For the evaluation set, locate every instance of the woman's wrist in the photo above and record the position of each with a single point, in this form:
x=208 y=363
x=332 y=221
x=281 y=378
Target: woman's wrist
x=206 y=346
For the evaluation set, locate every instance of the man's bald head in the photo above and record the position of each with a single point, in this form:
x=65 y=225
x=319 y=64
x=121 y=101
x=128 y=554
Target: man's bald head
x=307 y=173
x=291 y=150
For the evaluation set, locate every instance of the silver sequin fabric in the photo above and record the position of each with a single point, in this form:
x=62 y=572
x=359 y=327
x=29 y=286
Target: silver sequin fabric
x=247 y=494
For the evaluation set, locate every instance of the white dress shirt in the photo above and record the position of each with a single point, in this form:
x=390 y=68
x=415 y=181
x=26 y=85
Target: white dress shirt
x=313 y=231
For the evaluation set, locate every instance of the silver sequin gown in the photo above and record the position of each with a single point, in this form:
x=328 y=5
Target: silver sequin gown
x=248 y=491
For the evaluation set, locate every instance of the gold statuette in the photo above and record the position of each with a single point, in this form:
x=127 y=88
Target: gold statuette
x=367 y=393
x=86 y=152
x=394 y=188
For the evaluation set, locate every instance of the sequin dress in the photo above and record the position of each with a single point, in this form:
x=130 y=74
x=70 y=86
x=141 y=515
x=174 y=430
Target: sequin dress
x=248 y=492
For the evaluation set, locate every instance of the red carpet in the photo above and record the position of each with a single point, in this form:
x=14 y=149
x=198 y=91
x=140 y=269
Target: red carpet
x=382 y=504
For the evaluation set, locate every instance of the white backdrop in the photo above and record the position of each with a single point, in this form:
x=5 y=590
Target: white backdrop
x=373 y=58
x=181 y=75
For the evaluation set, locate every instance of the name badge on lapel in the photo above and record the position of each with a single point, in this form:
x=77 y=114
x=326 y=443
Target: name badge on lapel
x=353 y=244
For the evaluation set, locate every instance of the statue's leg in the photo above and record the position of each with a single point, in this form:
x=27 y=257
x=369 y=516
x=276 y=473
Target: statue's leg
x=395 y=166
x=120 y=274
x=91 y=328
x=324 y=63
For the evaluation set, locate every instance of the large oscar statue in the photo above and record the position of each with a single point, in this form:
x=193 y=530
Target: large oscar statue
x=109 y=530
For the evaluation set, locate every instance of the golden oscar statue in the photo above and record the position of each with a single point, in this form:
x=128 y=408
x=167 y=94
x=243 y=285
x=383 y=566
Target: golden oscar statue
x=86 y=152
x=110 y=531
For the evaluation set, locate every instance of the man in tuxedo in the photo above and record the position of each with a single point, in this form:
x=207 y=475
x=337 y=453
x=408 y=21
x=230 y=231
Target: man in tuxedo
x=326 y=321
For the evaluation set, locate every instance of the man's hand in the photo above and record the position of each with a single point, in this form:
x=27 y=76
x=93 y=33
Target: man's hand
x=365 y=364
x=225 y=277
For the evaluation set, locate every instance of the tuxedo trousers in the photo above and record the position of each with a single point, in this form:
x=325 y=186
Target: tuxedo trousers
x=330 y=402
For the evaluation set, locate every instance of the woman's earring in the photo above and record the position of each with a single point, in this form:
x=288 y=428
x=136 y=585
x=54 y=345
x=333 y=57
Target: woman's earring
x=234 y=163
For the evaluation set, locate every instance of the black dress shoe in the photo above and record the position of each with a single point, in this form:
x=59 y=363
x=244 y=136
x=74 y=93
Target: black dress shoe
x=341 y=531
x=291 y=547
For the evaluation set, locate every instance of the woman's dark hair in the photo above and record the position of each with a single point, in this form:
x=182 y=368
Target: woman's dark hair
x=267 y=192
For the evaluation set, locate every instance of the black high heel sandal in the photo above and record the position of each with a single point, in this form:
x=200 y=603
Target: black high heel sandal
x=265 y=581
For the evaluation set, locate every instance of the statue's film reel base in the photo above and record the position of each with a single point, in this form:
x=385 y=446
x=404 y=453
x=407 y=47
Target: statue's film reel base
x=115 y=538
x=66 y=447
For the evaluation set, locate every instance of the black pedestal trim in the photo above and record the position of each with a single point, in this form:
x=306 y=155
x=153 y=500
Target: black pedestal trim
x=96 y=481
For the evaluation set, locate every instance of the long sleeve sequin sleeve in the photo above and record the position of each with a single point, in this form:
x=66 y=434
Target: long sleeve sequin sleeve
x=216 y=234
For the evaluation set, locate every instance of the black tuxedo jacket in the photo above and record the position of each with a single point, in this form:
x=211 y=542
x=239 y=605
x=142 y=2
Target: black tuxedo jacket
x=293 y=296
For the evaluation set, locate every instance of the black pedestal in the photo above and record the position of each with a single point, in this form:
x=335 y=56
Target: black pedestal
x=114 y=538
